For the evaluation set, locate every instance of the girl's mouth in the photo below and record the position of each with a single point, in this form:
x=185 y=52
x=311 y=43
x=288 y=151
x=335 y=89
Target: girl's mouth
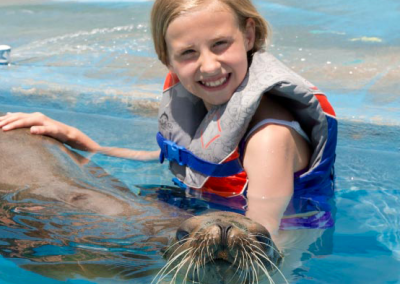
x=216 y=84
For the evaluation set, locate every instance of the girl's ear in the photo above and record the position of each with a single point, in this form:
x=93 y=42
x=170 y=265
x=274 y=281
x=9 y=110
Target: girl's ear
x=250 y=34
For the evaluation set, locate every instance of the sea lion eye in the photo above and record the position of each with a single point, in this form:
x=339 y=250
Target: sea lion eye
x=182 y=235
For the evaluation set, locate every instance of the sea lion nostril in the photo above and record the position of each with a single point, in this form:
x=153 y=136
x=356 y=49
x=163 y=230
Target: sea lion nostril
x=227 y=229
x=224 y=233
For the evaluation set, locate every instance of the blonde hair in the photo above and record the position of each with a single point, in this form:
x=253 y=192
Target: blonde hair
x=165 y=11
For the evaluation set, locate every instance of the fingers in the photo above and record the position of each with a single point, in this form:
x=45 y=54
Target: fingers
x=39 y=124
x=48 y=130
x=43 y=125
x=40 y=130
x=19 y=120
x=7 y=121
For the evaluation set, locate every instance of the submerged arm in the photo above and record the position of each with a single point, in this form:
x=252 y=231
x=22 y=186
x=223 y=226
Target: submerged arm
x=130 y=154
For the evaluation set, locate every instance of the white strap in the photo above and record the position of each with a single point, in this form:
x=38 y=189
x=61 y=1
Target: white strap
x=293 y=124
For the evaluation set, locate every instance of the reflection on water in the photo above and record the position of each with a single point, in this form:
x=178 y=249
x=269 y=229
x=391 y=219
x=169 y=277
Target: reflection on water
x=72 y=243
x=381 y=214
x=368 y=157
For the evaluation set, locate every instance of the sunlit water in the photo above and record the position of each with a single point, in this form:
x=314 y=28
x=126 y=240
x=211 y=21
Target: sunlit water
x=91 y=64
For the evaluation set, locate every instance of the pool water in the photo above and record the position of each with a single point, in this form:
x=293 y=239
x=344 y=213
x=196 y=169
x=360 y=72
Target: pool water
x=91 y=64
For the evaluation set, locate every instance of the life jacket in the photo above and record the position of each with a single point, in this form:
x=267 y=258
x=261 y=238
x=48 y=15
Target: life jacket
x=202 y=146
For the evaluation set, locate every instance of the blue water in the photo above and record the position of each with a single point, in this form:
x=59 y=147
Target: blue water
x=91 y=64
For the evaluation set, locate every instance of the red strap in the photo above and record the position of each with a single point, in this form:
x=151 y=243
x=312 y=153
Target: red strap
x=227 y=186
x=170 y=80
x=326 y=106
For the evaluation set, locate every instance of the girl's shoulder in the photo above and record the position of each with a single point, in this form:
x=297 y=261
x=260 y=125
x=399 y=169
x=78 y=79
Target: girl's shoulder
x=270 y=108
x=282 y=130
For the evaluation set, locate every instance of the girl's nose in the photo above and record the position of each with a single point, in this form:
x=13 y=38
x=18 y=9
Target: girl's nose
x=209 y=64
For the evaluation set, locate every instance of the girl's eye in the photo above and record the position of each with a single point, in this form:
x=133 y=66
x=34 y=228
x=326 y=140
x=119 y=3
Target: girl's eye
x=187 y=53
x=221 y=42
x=221 y=45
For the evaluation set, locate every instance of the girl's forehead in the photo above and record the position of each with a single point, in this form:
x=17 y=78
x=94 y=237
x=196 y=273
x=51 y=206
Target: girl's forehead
x=196 y=21
x=209 y=6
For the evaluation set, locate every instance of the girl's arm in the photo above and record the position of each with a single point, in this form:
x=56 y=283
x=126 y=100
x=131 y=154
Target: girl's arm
x=269 y=162
x=272 y=155
x=43 y=125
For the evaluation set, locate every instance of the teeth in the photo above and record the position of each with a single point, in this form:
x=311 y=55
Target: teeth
x=214 y=83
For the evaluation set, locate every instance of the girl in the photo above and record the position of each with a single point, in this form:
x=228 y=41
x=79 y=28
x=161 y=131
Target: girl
x=233 y=120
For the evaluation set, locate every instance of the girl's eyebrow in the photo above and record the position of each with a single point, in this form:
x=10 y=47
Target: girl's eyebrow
x=220 y=36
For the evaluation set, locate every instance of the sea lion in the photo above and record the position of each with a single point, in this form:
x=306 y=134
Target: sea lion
x=42 y=177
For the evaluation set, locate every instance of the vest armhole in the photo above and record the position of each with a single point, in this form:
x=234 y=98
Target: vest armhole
x=170 y=80
x=326 y=106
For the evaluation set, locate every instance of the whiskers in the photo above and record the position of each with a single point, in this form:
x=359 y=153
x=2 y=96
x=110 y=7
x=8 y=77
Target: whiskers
x=248 y=260
x=253 y=260
x=192 y=258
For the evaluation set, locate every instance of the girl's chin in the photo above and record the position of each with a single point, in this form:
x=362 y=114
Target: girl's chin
x=210 y=103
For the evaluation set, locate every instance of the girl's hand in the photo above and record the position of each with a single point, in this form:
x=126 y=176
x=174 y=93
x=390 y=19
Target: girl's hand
x=43 y=125
x=38 y=123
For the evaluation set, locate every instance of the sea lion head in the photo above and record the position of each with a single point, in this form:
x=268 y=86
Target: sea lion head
x=221 y=247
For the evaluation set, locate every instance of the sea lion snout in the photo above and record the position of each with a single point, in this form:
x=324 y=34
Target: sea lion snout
x=222 y=247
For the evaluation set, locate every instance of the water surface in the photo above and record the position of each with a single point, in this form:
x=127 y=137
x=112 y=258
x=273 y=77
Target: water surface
x=91 y=64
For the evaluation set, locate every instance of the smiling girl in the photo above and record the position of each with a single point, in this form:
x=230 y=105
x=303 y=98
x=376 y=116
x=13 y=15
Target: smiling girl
x=233 y=120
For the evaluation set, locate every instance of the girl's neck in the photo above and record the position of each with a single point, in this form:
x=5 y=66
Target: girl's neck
x=207 y=105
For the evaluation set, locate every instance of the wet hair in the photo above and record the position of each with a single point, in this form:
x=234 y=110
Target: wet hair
x=165 y=11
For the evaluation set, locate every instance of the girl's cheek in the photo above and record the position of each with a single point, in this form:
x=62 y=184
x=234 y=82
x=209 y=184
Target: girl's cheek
x=186 y=69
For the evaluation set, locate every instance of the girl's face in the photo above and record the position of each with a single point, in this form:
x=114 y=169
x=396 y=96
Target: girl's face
x=208 y=52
